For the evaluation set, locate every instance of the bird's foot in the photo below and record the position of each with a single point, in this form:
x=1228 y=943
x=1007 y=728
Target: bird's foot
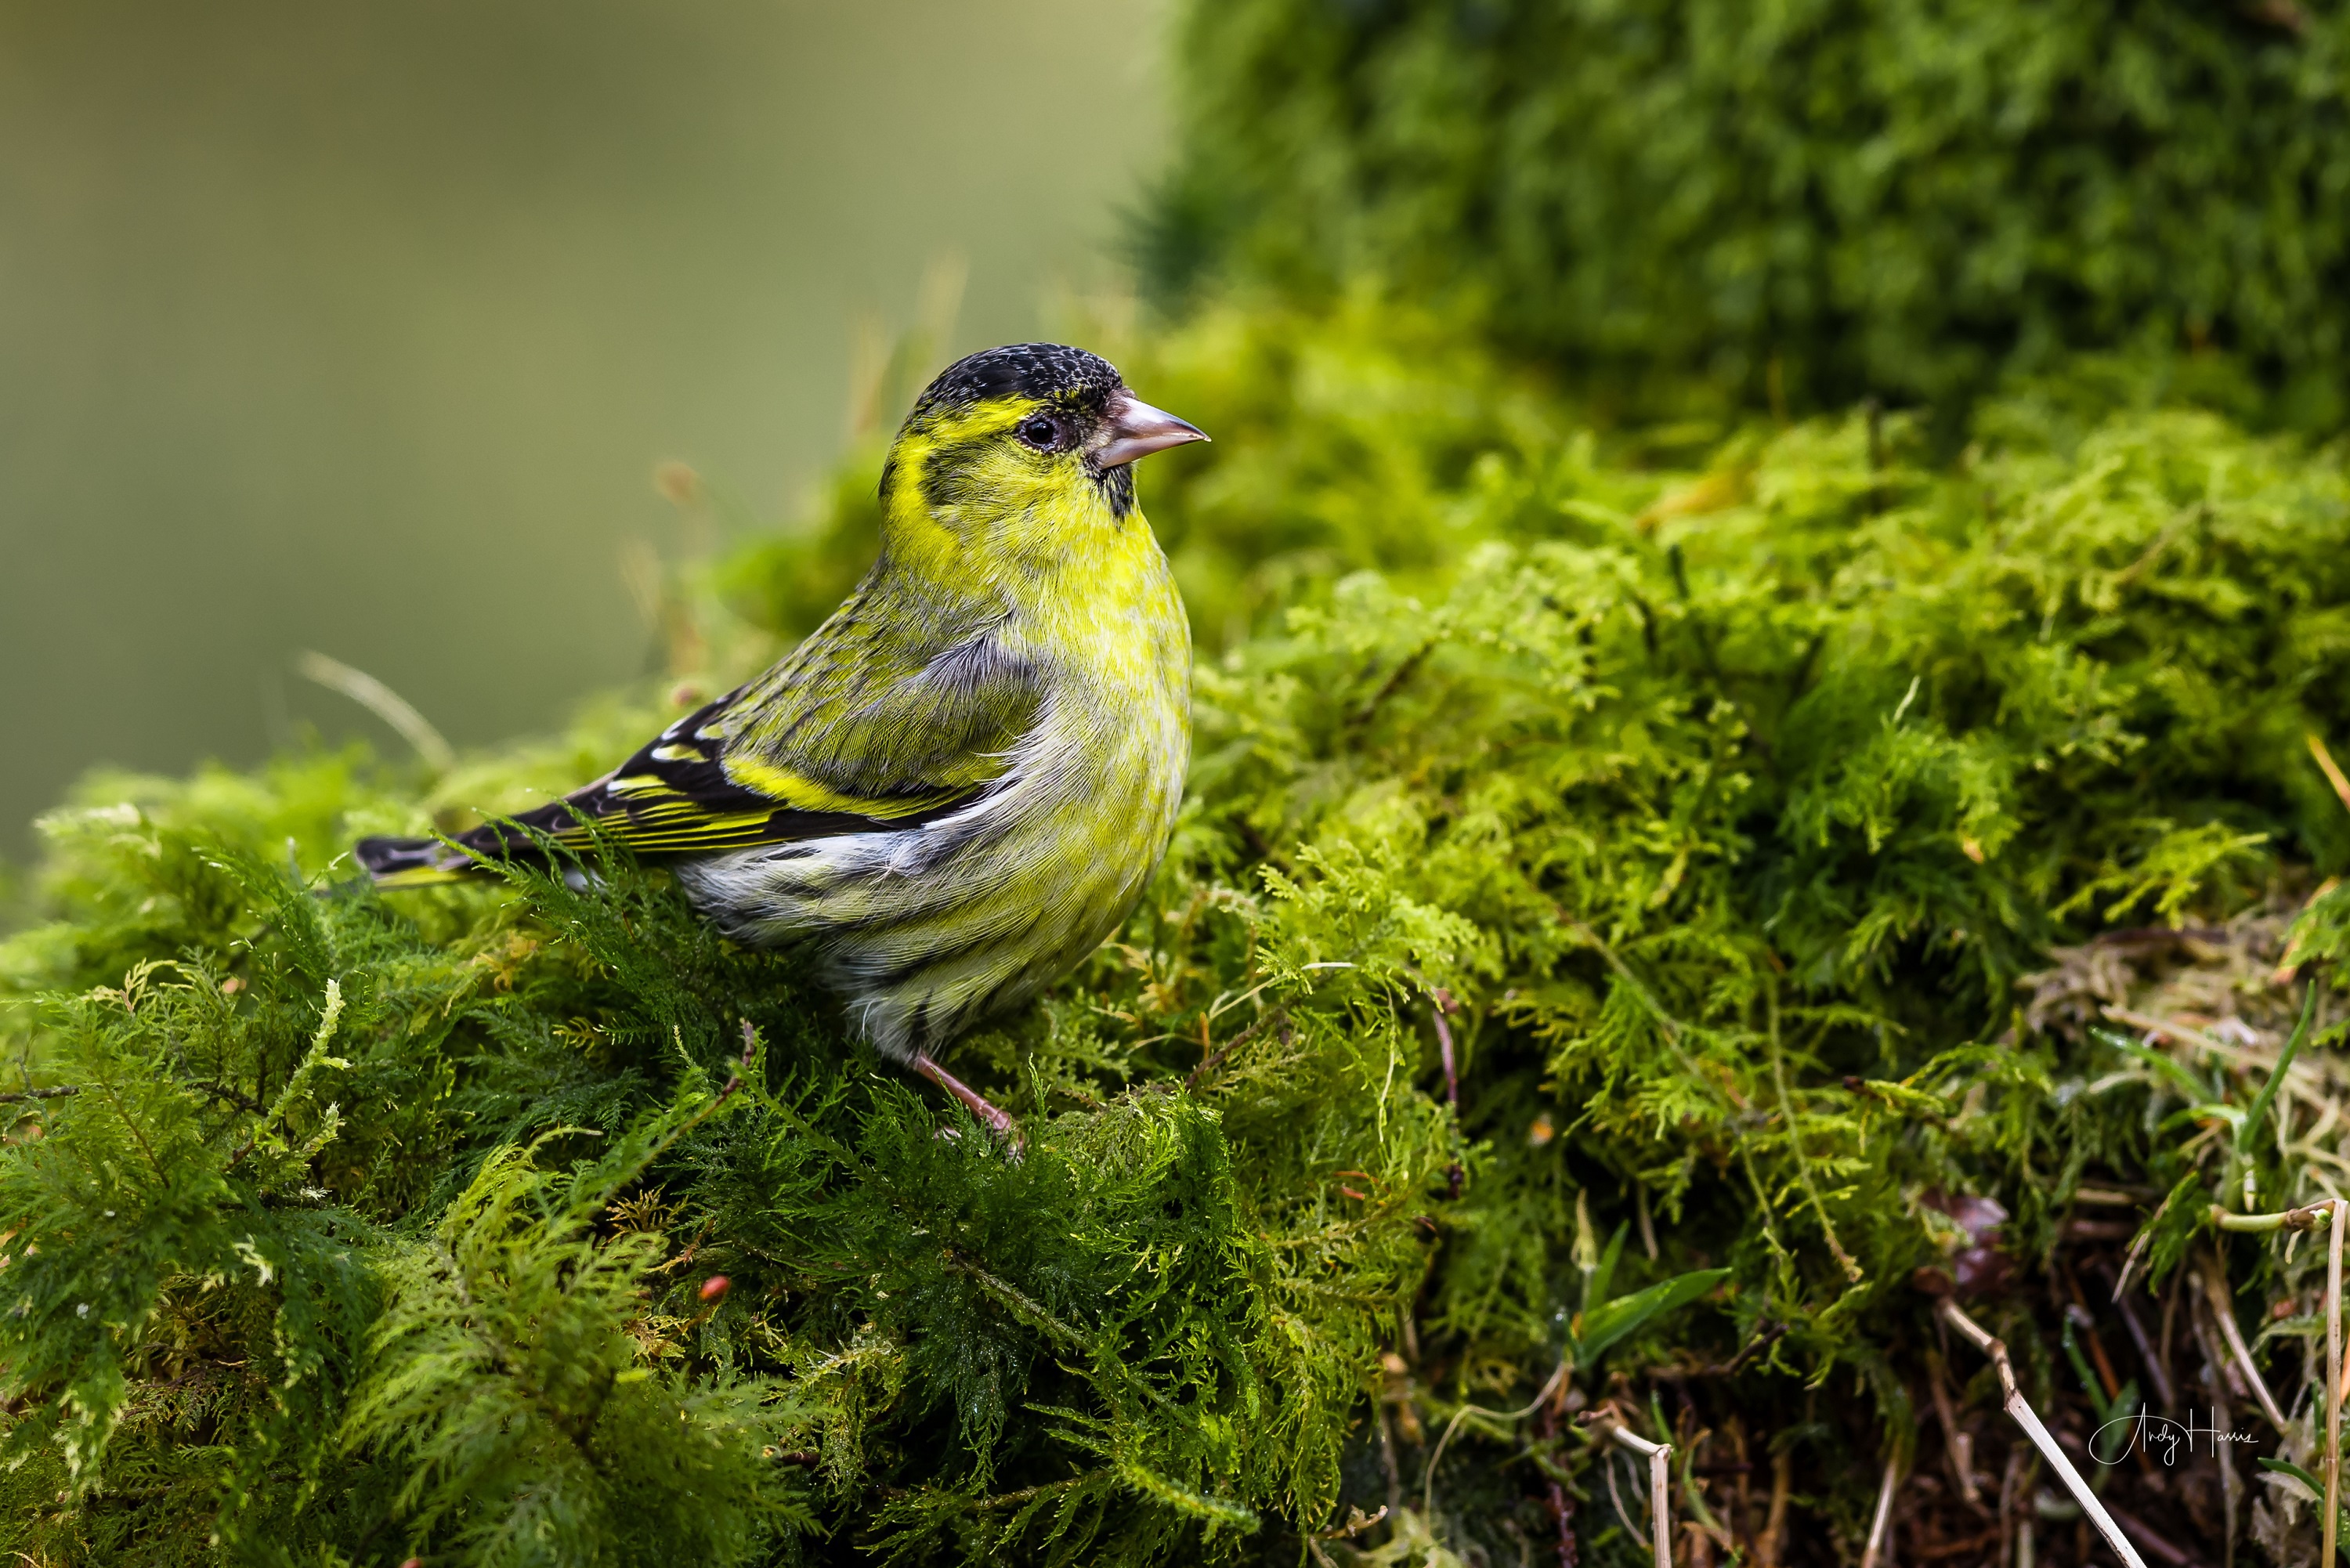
x=980 y=1106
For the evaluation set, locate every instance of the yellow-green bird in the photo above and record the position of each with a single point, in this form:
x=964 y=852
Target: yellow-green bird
x=958 y=785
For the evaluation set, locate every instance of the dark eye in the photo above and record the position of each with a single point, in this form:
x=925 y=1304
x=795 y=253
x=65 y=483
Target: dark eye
x=1041 y=433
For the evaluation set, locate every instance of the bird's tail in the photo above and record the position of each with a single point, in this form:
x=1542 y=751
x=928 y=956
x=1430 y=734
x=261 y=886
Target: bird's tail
x=413 y=862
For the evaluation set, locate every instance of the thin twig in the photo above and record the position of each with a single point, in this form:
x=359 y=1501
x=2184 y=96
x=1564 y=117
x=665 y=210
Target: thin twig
x=1387 y=1460
x=2025 y=1417
x=1881 y=1526
x=2153 y=551
x=382 y=701
x=1673 y=1027
x=1616 y=1497
x=1394 y=683
x=1444 y=1043
x=1355 y=1524
x=2011 y=1482
x=1215 y=1058
x=1774 y=1521
x=1660 y=1483
x=2155 y=1369
x=2152 y=1539
x=1562 y=1507
x=2332 y=1385
x=2221 y=1375
x=1428 y=1476
x=2137 y=1248
x=1955 y=1441
x=220 y=1092
x=2215 y=1281
x=16 y=1096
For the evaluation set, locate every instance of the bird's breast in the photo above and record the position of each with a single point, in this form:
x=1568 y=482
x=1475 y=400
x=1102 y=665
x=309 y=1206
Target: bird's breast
x=928 y=927
x=1119 y=650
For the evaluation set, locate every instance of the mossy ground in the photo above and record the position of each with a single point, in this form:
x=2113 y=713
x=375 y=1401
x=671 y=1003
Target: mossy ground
x=1795 y=841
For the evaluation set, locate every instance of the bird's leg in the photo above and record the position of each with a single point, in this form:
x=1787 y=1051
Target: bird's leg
x=978 y=1103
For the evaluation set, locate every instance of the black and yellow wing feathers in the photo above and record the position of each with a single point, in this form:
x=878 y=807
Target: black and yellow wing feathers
x=850 y=734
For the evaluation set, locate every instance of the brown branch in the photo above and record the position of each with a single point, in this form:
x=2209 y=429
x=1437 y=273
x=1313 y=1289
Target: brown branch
x=1209 y=1063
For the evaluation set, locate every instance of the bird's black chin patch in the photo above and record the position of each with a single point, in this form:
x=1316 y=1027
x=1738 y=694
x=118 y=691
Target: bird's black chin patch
x=1118 y=489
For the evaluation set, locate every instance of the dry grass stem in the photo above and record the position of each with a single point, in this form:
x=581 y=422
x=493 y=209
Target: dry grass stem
x=2332 y=769
x=383 y=703
x=2042 y=1438
x=1660 y=1488
x=1955 y=1440
x=1775 y=1524
x=1427 y=1477
x=2223 y=1310
x=1880 y=1524
x=2333 y=1521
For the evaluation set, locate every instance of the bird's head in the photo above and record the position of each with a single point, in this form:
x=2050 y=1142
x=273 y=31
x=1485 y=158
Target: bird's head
x=1022 y=449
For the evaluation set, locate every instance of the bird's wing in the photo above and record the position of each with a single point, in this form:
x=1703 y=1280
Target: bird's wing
x=876 y=722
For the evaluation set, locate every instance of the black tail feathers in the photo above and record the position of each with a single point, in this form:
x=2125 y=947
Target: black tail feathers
x=411 y=862
x=418 y=862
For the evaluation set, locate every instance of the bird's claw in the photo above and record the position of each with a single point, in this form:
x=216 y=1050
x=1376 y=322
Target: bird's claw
x=996 y=1120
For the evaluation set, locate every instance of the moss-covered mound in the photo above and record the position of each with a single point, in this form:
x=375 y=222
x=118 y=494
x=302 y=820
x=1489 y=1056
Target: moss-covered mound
x=1814 y=201
x=1605 y=965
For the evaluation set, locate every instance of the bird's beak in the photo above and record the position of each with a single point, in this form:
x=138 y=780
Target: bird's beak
x=1137 y=430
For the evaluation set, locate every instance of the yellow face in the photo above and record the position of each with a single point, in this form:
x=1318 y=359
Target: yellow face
x=1022 y=466
x=992 y=472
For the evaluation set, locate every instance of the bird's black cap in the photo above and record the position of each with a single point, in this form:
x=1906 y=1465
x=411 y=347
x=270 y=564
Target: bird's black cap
x=1051 y=372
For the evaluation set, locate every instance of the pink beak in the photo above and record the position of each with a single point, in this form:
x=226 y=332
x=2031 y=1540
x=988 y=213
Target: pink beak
x=1137 y=430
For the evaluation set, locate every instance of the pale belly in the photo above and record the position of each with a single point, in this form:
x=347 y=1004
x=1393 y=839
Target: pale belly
x=925 y=930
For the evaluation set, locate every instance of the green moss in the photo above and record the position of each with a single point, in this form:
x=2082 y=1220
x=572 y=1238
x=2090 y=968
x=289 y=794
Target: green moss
x=1808 y=202
x=1710 y=791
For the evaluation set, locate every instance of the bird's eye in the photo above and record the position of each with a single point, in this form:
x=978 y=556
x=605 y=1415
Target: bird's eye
x=1041 y=433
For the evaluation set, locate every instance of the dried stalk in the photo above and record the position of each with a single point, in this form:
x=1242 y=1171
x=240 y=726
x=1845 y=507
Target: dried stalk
x=2222 y=1375
x=15 y=1096
x=1960 y=1447
x=2326 y=764
x=2156 y=1369
x=1881 y=1526
x=2332 y=1385
x=1774 y=1523
x=2025 y=1417
x=386 y=705
x=2215 y=1283
x=1428 y=1476
x=2009 y=1485
x=1616 y=1497
x=1660 y=1488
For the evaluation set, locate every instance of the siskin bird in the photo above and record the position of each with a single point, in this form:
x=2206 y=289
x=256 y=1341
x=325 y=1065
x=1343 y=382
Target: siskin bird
x=957 y=786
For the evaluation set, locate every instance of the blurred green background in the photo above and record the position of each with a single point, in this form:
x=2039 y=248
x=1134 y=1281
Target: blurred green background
x=363 y=327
